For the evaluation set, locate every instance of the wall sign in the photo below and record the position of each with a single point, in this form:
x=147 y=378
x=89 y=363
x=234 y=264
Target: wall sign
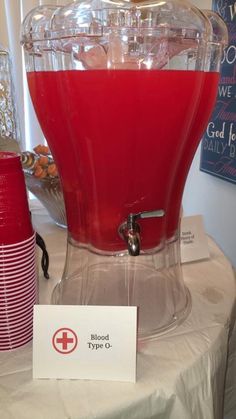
x=218 y=147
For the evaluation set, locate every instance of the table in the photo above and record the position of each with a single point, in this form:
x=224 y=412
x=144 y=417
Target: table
x=186 y=374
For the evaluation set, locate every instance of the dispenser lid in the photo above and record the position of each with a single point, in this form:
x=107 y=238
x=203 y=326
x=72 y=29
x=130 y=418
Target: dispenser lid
x=95 y=18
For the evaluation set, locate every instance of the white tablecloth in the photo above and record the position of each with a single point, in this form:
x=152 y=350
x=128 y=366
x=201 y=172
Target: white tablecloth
x=186 y=374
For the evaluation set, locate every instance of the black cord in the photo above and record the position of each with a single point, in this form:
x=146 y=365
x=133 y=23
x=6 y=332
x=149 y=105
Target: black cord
x=45 y=257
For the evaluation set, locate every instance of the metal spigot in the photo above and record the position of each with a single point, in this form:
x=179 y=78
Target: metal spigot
x=130 y=229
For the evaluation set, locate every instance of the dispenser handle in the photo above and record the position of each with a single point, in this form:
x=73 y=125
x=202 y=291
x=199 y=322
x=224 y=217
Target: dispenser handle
x=130 y=229
x=150 y=214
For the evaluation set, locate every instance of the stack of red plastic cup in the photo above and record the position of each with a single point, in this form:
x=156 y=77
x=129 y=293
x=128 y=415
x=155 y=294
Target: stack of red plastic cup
x=18 y=270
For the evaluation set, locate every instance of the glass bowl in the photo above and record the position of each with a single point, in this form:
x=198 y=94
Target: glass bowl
x=49 y=192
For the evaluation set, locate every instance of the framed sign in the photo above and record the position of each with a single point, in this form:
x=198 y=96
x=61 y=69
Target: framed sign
x=218 y=146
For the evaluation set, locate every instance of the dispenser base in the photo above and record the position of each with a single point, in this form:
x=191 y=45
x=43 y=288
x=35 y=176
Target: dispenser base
x=145 y=281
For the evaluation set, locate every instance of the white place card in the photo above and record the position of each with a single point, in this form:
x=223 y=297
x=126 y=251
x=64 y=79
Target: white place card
x=85 y=342
x=193 y=240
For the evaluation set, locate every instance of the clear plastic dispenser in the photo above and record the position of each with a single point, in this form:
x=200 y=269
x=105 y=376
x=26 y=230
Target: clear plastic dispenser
x=118 y=89
x=9 y=126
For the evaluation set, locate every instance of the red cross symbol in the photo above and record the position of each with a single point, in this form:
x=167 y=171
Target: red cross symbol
x=64 y=340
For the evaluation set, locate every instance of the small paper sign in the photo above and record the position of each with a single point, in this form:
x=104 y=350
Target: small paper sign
x=193 y=244
x=85 y=342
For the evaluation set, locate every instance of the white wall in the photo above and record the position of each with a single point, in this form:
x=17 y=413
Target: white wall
x=214 y=198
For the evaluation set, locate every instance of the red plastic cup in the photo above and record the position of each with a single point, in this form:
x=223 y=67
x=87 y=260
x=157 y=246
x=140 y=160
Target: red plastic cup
x=16 y=343
x=18 y=273
x=10 y=299
x=6 y=270
x=16 y=293
x=16 y=327
x=16 y=256
x=9 y=249
x=15 y=219
x=22 y=282
x=17 y=319
x=16 y=309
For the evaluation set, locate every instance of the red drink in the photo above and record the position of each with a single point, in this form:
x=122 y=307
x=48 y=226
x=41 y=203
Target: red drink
x=115 y=136
x=200 y=120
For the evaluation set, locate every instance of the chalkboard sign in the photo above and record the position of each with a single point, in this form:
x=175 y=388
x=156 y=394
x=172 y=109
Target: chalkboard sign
x=218 y=147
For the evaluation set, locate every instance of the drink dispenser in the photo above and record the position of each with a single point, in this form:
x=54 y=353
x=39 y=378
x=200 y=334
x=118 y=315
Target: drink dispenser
x=116 y=87
x=9 y=129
